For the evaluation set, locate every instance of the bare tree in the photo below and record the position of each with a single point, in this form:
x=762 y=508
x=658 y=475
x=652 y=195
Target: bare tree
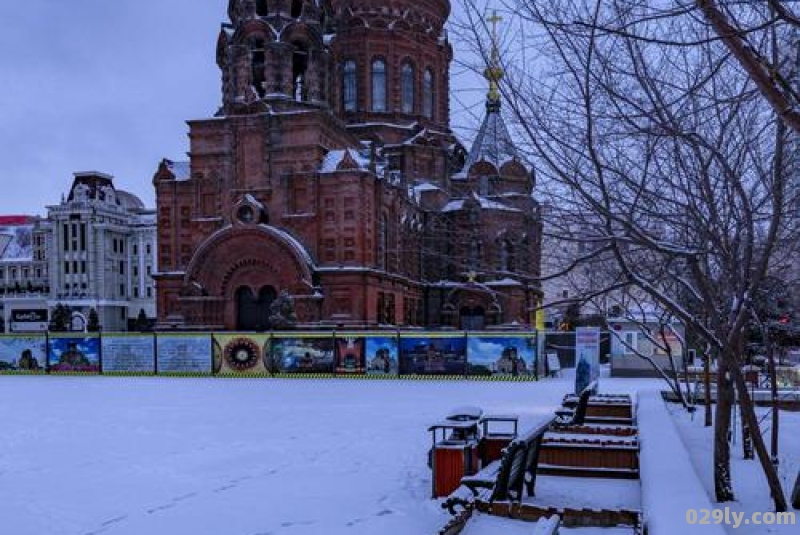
x=668 y=153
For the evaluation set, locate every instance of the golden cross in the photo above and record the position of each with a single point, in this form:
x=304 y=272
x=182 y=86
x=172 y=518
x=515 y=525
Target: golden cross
x=495 y=19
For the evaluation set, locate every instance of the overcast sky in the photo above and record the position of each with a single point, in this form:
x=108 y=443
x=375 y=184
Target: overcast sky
x=107 y=86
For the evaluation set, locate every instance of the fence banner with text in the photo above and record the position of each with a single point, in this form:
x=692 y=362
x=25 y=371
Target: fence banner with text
x=180 y=354
x=128 y=353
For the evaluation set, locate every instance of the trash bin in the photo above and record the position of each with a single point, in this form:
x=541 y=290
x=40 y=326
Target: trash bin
x=498 y=430
x=466 y=413
x=454 y=454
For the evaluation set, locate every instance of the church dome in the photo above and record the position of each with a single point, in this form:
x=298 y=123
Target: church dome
x=129 y=202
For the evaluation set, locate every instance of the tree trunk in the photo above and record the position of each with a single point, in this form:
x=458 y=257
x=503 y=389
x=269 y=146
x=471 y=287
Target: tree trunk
x=707 y=387
x=747 y=435
x=773 y=384
x=749 y=414
x=723 y=486
x=747 y=439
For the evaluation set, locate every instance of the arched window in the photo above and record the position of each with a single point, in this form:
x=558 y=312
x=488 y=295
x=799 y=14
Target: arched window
x=507 y=261
x=297 y=8
x=350 y=89
x=474 y=259
x=378 y=85
x=427 y=94
x=299 y=68
x=257 y=66
x=407 y=88
x=383 y=242
x=261 y=8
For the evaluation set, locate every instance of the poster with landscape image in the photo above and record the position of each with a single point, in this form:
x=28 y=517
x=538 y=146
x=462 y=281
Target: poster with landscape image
x=303 y=353
x=23 y=354
x=74 y=354
x=433 y=355
x=501 y=355
x=383 y=355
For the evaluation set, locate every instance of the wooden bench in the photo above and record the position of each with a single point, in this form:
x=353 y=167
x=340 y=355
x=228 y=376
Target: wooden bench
x=591 y=408
x=506 y=479
x=577 y=416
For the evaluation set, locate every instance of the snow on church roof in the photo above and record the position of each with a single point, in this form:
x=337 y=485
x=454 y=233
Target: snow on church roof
x=493 y=143
x=181 y=170
x=486 y=204
x=332 y=160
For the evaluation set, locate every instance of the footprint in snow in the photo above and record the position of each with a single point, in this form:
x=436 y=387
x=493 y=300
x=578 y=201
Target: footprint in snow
x=160 y=508
x=114 y=520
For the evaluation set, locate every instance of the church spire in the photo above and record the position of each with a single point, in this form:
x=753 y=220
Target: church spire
x=494 y=73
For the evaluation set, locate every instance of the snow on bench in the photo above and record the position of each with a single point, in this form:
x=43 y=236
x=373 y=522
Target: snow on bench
x=506 y=479
x=547 y=526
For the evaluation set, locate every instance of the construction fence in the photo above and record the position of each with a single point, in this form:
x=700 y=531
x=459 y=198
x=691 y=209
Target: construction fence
x=377 y=354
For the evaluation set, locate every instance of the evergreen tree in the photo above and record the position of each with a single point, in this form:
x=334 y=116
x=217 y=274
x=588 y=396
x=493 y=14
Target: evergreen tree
x=60 y=318
x=93 y=324
x=142 y=323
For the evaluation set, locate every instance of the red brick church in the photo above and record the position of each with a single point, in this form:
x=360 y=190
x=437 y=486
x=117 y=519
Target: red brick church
x=330 y=172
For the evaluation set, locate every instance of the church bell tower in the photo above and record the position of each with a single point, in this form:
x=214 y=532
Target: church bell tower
x=274 y=52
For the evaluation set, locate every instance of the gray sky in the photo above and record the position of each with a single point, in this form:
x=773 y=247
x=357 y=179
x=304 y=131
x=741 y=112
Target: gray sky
x=107 y=86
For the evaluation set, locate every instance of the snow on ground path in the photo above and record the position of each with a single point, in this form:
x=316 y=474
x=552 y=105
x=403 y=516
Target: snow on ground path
x=749 y=483
x=90 y=456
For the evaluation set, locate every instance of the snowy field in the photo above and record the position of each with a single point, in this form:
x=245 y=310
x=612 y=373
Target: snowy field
x=85 y=456
x=749 y=484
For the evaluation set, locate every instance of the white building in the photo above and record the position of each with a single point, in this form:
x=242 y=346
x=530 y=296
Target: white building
x=95 y=250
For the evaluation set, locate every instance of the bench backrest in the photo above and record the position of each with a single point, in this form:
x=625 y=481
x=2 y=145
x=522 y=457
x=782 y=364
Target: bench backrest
x=518 y=465
x=512 y=470
x=534 y=440
x=583 y=404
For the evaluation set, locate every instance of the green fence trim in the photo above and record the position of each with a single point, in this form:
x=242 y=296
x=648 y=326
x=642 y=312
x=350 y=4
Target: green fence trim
x=76 y=374
x=129 y=374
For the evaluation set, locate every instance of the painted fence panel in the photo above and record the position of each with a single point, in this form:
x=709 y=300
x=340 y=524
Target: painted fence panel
x=433 y=354
x=302 y=353
x=179 y=354
x=23 y=354
x=241 y=354
x=129 y=353
x=501 y=355
x=74 y=354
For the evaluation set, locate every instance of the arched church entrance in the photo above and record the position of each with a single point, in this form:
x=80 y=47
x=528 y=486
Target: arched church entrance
x=252 y=311
x=472 y=318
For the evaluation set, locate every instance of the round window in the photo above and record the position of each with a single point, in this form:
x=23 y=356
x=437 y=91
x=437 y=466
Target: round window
x=245 y=214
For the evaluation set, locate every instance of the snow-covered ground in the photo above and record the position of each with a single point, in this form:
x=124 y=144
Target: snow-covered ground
x=85 y=456
x=750 y=486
